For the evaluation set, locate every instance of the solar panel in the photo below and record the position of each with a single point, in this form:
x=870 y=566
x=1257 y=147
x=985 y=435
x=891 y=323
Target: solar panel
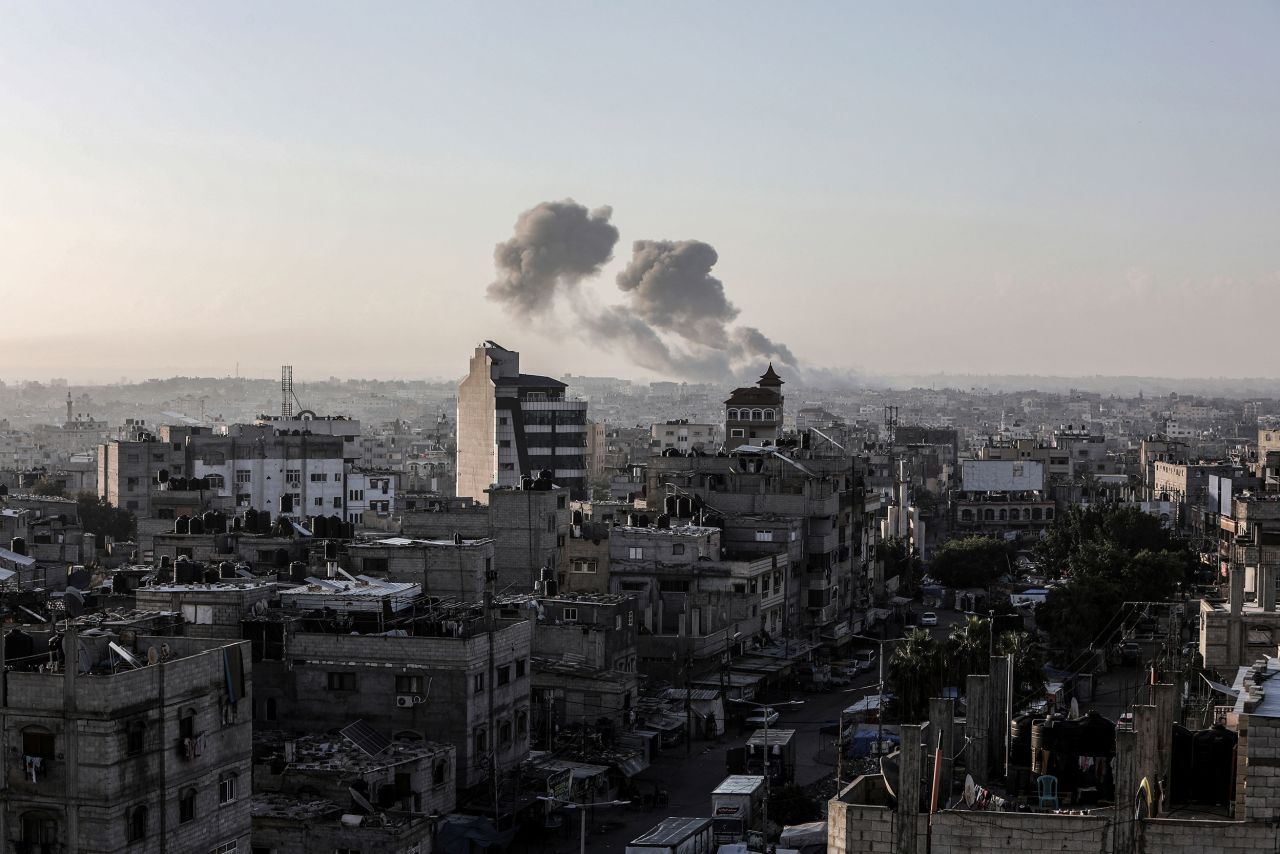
x=366 y=738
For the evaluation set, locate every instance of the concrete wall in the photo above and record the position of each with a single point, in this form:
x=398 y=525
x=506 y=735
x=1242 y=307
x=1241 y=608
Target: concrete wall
x=965 y=831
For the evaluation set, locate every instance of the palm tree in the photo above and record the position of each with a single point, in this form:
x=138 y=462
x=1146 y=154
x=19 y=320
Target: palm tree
x=969 y=648
x=1028 y=664
x=912 y=671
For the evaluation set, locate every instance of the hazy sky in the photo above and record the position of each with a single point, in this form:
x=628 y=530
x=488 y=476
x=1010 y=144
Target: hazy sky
x=1017 y=187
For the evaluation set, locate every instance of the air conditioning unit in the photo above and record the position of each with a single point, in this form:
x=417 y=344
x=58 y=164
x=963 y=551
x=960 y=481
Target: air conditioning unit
x=405 y=701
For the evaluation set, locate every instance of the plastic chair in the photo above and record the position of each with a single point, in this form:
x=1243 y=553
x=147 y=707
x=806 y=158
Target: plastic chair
x=1047 y=790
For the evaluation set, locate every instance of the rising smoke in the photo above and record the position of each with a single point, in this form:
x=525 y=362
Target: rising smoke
x=675 y=317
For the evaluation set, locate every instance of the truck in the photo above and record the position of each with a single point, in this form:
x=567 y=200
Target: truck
x=781 y=747
x=675 y=836
x=734 y=804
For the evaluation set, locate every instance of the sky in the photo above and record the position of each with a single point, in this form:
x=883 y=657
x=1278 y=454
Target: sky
x=1071 y=188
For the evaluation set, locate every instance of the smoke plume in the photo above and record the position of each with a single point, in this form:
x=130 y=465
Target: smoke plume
x=556 y=244
x=675 y=317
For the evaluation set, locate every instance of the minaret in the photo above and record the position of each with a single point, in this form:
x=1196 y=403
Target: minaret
x=68 y=406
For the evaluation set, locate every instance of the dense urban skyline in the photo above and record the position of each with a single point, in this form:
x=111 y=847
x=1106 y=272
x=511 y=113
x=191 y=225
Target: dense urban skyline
x=993 y=189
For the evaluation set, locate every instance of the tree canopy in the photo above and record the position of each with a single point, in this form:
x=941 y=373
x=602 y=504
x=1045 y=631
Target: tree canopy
x=100 y=517
x=1107 y=555
x=971 y=561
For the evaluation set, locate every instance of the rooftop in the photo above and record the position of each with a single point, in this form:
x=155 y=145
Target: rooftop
x=404 y=542
x=338 y=755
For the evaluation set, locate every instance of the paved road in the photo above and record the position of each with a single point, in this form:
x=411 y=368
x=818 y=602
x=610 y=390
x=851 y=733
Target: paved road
x=690 y=779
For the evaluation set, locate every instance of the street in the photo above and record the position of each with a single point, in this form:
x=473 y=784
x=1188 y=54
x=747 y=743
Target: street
x=689 y=780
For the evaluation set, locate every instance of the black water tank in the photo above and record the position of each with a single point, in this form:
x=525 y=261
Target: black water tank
x=286 y=502
x=227 y=569
x=670 y=505
x=18 y=545
x=196 y=525
x=1214 y=758
x=1020 y=741
x=166 y=562
x=282 y=559
x=330 y=549
x=663 y=521
x=182 y=525
x=298 y=572
x=187 y=572
x=644 y=520
x=546 y=474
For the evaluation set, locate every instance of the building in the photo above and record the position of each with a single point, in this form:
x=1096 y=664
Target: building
x=121 y=754
x=456 y=568
x=753 y=415
x=513 y=426
x=407 y=668
x=681 y=436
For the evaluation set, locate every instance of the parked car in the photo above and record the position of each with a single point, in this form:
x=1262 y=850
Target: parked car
x=1130 y=652
x=839 y=678
x=865 y=659
x=759 y=717
x=928 y=618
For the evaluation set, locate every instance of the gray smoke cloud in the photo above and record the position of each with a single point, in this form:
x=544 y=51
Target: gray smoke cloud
x=675 y=317
x=670 y=285
x=556 y=244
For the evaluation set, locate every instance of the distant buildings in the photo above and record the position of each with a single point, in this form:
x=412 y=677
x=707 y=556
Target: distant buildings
x=753 y=415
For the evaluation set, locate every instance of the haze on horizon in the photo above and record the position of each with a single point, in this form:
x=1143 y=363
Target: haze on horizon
x=988 y=188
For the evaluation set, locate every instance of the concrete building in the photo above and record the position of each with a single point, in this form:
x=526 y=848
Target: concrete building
x=753 y=415
x=115 y=755
x=529 y=528
x=513 y=426
x=681 y=435
x=314 y=792
x=456 y=568
x=209 y=609
x=426 y=670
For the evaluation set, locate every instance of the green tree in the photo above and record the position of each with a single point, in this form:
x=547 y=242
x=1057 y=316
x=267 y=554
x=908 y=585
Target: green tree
x=902 y=562
x=971 y=561
x=100 y=517
x=1028 y=664
x=1108 y=554
x=968 y=649
x=914 y=676
x=47 y=487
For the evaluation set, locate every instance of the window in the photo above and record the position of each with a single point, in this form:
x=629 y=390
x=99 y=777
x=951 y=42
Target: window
x=764 y=536
x=671 y=586
x=477 y=684
x=37 y=742
x=584 y=566
x=226 y=788
x=342 y=681
x=504 y=675
x=506 y=466
x=570 y=615
x=226 y=848
x=635 y=553
x=136 y=823
x=522 y=723
x=482 y=745
x=768 y=415
x=736 y=433
x=187 y=725
x=131 y=484
x=135 y=738
x=733 y=415
x=133 y=458
x=243 y=476
x=408 y=684
x=504 y=443
x=159 y=458
x=440 y=773
x=520 y=667
x=677 y=548
x=319 y=501
x=504 y=733
x=269 y=709
x=319 y=477
x=216 y=481
x=186 y=806
x=503 y=420
x=337 y=501
x=631 y=618
x=355 y=495
x=293 y=475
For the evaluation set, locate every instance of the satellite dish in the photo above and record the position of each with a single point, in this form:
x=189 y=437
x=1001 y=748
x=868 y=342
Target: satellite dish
x=260 y=607
x=73 y=602
x=1075 y=709
x=361 y=801
x=970 y=790
x=128 y=637
x=79 y=578
x=152 y=655
x=1142 y=800
x=164 y=652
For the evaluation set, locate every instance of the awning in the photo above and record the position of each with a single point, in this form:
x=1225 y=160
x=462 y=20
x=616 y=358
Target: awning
x=1220 y=688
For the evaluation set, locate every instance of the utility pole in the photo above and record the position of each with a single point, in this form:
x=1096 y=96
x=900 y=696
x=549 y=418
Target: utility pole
x=688 y=708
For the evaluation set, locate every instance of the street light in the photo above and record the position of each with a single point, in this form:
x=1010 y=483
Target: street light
x=767 y=708
x=880 y=706
x=582 y=813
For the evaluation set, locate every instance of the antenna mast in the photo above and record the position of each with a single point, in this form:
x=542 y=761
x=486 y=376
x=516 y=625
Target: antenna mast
x=286 y=391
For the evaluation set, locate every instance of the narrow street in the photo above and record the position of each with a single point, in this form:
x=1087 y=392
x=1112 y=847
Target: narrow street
x=690 y=778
